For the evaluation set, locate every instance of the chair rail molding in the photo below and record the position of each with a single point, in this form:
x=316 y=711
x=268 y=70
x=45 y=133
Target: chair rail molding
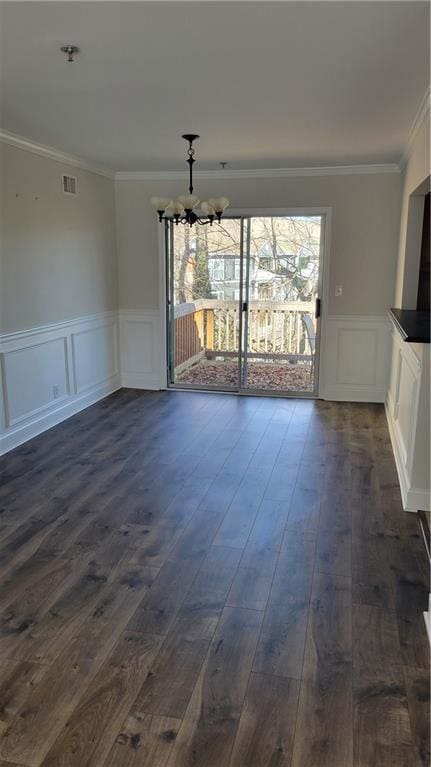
x=49 y=373
x=355 y=355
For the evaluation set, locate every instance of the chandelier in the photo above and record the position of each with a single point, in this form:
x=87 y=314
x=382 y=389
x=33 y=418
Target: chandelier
x=183 y=209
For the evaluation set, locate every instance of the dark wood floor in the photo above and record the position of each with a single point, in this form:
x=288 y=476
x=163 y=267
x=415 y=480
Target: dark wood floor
x=193 y=580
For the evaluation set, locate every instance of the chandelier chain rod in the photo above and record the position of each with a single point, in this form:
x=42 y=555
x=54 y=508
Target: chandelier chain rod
x=190 y=161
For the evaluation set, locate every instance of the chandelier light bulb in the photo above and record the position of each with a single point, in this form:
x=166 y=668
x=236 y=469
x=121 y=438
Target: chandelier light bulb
x=207 y=208
x=220 y=203
x=160 y=203
x=175 y=207
x=189 y=201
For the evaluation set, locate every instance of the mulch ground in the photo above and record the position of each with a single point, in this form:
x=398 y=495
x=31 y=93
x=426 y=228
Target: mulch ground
x=283 y=377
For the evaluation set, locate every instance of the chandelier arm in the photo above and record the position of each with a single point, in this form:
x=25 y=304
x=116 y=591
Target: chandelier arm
x=184 y=220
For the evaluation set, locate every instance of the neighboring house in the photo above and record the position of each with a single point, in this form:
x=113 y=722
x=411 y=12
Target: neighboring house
x=270 y=277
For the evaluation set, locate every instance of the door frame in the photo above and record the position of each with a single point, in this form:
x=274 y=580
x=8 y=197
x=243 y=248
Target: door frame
x=326 y=213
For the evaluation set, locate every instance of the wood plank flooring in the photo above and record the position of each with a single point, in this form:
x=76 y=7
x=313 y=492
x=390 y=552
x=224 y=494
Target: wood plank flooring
x=199 y=580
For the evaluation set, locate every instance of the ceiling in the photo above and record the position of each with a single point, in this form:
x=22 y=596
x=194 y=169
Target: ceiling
x=266 y=84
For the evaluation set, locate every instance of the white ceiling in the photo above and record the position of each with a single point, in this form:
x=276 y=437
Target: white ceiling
x=265 y=84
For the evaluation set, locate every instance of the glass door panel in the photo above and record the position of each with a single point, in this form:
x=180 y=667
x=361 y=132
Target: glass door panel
x=242 y=298
x=205 y=277
x=282 y=287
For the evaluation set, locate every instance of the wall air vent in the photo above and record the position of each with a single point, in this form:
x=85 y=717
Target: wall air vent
x=69 y=184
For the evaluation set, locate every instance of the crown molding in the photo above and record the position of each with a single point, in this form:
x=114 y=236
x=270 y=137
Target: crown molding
x=165 y=175
x=53 y=154
x=328 y=170
x=421 y=114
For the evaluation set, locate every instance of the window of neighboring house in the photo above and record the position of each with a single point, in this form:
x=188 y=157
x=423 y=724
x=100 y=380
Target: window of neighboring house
x=265 y=290
x=229 y=269
x=265 y=262
x=266 y=256
x=216 y=268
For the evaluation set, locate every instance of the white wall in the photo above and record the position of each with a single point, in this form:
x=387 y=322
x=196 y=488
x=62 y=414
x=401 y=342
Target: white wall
x=408 y=395
x=58 y=251
x=364 y=238
x=416 y=171
x=63 y=341
x=364 y=243
x=58 y=294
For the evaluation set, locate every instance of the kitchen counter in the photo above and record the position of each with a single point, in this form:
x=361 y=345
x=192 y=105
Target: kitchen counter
x=413 y=326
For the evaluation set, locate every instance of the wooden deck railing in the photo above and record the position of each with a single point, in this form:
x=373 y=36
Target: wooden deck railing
x=210 y=327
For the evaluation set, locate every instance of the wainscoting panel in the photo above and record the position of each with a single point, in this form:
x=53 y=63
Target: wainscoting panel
x=407 y=396
x=51 y=372
x=46 y=362
x=95 y=355
x=355 y=359
x=142 y=350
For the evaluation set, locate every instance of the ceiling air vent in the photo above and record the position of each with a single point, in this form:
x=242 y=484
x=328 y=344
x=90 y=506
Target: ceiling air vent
x=70 y=184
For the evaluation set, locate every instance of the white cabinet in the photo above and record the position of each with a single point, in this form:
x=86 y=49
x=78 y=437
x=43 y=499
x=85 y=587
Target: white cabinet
x=408 y=414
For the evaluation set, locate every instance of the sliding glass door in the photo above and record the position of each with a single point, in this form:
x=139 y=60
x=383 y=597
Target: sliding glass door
x=243 y=304
x=204 y=300
x=282 y=288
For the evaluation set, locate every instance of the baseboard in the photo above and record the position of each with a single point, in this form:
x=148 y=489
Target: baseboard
x=141 y=381
x=14 y=437
x=350 y=393
x=418 y=499
x=427 y=619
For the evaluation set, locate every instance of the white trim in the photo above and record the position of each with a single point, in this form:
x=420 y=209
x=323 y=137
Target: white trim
x=163 y=348
x=427 y=619
x=408 y=433
x=19 y=142
x=324 y=266
x=362 y=375
x=421 y=114
x=360 y=318
x=307 y=210
x=10 y=440
x=226 y=174
x=28 y=145
x=140 y=349
x=86 y=370
x=413 y=498
x=100 y=318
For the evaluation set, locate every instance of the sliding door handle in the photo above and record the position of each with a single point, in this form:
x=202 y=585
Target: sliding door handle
x=244 y=306
x=317 y=309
